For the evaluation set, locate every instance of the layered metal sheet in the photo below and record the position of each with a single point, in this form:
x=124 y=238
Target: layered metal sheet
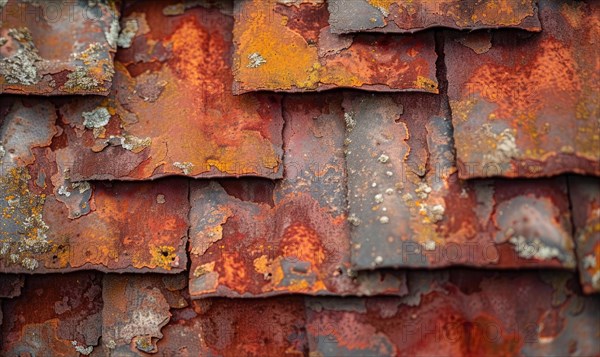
x=290 y=48
x=409 y=209
x=260 y=239
x=528 y=105
x=171 y=111
x=585 y=203
x=56 y=315
x=410 y=16
x=50 y=223
x=57 y=47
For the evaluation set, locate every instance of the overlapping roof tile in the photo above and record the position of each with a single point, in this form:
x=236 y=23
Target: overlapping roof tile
x=262 y=239
x=527 y=105
x=57 y=47
x=290 y=48
x=410 y=16
x=48 y=221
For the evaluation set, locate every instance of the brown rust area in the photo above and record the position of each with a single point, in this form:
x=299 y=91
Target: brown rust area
x=295 y=241
x=409 y=209
x=410 y=16
x=57 y=48
x=291 y=49
x=585 y=204
x=48 y=222
x=54 y=315
x=528 y=107
x=171 y=108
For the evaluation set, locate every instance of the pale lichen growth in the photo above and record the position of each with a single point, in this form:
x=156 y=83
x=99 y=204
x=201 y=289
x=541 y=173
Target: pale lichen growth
x=423 y=191
x=96 y=68
x=350 y=121
x=132 y=143
x=97 y=118
x=30 y=263
x=112 y=34
x=379 y=198
x=21 y=67
x=505 y=146
x=429 y=245
x=256 y=60
x=83 y=186
x=384 y=219
x=355 y=221
x=128 y=33
x=383 y=158
x=433 y=214
x=62 y=190
x=86 y=351
x=535 y=248
x=186 y=167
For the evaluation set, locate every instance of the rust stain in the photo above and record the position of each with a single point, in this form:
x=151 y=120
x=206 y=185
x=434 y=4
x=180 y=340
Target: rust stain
x=585 y=204
x=171 y=111
x=291 y=49
x=47 y=222
x=410 y=16
x=57 y=48
x=409 y=209
x=528 y=107
x=261 y=239
x=56 y=315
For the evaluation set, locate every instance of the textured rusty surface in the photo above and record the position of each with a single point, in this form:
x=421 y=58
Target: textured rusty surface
x=171 y=111
x=260 y=238
x=408 y=208
x=528 y=105
x=57 y=47
x=49 y=223
x=462 y=313
x=11 y=285
x=410 y=16
x=56 y=315
x=136 y=308
x=290 y=48
x=585 y=203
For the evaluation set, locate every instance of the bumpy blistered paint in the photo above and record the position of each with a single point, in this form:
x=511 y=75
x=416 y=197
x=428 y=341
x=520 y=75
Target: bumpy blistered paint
x=408 y=208
x=54 y=48
x=410 y=16
x=260 y=239
x=291 y=49
x=172 y=111
x=49 y=223
x=528 y=107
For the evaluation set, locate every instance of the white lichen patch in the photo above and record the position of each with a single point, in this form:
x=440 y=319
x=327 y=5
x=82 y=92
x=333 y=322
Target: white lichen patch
x=30 y=263
x=128 y=33
x=82 y=186
x=379 y=198
x=423 y=191
x=350 y=121
x=535 y=248
x=133 y=143
x=433 y=214
x=256 y=60
x=589 y=261
x=186 y=167
x=21 y=66
x=97 y=118
x=429 y=245
x=112 y=34
x=86 y=351
x=354 y=220
x=62 y=190
x=504 y=146
x=383 y=158
x=384 y=219
x=2 y=153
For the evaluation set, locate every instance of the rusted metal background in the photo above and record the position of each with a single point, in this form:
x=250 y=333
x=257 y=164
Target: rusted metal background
x=49 y=223
x=410 y=16
x=171 y=111
x=409 y=209
x=462 y=313
x=57 y=47
x=585 y=203
x=56 y=315
x=258 y=238
x=290 y=48
x=527 y=105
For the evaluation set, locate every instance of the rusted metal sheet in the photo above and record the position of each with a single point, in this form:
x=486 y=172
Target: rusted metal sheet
x=57 y=47
x=528 y=106
x=408 y=208
x=466 y=313
x=290 y=48
x=585 y=204
x=136 y=308
x=10 y=285
x=50 y=223
x=171 y=111
x=410 y=16
x=56 y=315
x=259 y=238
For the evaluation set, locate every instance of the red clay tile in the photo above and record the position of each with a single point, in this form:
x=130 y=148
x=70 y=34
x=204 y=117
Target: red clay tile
x=410 y=16
x=256 y=238
x=585 y=204
x=49 y=223
x=171 y=111
x=291 y=49
x=57 y=47
x=56 y=315
x=527 y=105
x=409 y=209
